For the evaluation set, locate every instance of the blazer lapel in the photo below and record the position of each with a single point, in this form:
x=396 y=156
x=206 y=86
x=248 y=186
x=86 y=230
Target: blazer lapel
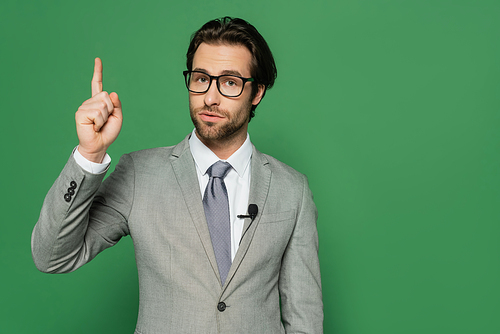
x=185 y=172
x=259 y=188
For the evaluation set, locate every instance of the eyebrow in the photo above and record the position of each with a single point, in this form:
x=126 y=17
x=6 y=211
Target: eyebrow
x=225 y=72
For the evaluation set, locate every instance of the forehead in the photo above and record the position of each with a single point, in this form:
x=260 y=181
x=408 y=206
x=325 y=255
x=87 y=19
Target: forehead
x=222 y=58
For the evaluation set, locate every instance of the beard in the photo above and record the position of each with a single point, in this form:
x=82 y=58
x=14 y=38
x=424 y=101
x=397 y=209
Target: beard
x=218 y=131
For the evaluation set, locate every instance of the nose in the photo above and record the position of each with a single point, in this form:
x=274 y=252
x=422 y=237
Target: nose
x=212 y=96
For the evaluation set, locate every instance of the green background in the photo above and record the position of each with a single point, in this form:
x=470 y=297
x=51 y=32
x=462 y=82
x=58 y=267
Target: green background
x=390 y=108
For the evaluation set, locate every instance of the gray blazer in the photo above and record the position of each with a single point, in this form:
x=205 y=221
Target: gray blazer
x=154 y=196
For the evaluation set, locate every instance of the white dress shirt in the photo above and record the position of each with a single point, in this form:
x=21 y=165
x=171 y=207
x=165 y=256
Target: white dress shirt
x=237 y=180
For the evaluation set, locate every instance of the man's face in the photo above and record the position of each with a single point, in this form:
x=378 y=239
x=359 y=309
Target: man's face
x=217 y=117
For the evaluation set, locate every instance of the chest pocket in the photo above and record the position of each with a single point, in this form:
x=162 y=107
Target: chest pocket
x=272 y=236
x=272 y=218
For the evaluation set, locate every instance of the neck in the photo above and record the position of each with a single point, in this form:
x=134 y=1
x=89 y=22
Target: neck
x=224 y=148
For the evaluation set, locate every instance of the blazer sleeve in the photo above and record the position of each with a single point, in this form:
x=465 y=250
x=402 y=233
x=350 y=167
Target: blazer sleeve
x=81 y=216
x=300 y=280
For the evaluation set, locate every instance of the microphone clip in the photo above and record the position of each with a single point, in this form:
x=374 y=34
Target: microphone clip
x=247 y=216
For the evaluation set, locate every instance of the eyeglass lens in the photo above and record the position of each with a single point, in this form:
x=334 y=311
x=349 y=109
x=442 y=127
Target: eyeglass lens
x=228 y=84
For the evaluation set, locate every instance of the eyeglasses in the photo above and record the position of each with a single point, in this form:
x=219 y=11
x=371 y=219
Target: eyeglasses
x=228 y=85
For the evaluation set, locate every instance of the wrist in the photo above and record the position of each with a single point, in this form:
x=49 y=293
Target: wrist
x=96 y=157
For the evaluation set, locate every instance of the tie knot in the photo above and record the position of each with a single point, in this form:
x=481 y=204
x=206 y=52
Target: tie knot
x=219 y=169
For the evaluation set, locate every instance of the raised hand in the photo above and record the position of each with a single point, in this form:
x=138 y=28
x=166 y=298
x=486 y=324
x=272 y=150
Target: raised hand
x=98 y=120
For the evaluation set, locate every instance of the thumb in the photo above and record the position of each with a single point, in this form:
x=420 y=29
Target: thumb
x=115 y=100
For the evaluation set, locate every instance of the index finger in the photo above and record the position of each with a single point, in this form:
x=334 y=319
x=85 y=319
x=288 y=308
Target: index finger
x=97 y=78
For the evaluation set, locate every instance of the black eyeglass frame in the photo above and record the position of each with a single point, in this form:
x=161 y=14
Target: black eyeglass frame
x=216 y=78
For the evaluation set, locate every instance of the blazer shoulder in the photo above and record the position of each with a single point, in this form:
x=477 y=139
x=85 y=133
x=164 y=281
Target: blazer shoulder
x=152 y=153
x=282 y=176
x=151 y=156
x=281 y=171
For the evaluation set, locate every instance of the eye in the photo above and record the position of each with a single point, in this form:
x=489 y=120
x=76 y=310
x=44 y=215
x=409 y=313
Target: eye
x=199 y=78
x=230 y=81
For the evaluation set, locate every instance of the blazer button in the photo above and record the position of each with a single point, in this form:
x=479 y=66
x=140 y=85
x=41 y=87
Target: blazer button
x=221 y=306
x=71 y=191
x=67 y=197
x=72 y=184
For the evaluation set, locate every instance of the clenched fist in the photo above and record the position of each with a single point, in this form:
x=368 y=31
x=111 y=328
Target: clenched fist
x=98 y=120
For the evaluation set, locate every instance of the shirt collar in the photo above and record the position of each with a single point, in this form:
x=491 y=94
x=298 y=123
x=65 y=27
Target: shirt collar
x=204 y=157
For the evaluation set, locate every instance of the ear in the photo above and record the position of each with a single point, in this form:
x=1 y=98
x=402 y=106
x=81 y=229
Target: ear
x=259 y=95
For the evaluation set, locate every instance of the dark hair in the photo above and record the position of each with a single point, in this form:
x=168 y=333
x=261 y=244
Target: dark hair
x=235 y=31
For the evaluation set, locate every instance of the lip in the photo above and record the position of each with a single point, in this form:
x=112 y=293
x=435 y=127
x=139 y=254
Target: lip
x=208 y=116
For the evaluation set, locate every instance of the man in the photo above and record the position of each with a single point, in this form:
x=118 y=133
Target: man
x=223 y=234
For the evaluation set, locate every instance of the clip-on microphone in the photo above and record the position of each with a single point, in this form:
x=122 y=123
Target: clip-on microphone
x=253 y=209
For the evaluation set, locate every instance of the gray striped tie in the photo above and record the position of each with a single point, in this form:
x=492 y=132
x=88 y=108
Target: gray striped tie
x=216 y=205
